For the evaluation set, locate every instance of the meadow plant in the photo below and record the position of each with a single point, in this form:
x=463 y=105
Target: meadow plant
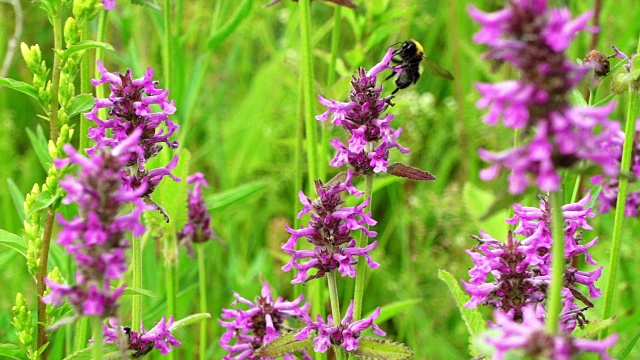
x=141 y=343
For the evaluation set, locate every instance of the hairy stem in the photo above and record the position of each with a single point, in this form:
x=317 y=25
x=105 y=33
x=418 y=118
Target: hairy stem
x=136 y=269
x=202 y=281
x=362 y=263
x=554 y=303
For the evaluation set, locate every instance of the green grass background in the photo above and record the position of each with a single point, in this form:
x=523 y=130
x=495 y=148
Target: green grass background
x=238 y=105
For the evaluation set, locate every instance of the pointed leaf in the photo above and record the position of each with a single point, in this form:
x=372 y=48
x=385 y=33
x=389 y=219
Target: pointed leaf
x=242 y=13
x=236 y=195
x=390 y=310
x=12 y=351
x=43 y=201
x=14 y=242
x=381 y=349
x=409 y=172
x=17 y=197
x=475 y=203
x=79 y=104
x=136 y=291
x=624 y=352
x=505 y=201
x=20 y=86
x=40 y=147
x=148 y=3
x=285 y=344
x=84 y=45
x=189 y=320
x=593 y=328
x=472 y=317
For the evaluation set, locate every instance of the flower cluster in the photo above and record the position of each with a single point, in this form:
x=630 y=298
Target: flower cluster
x=109 y=4
x=96 y=238
x=198 y=227
x=346 y=334
x=329 y=231
x=129 y=106
x=362 y=118
x=263 y=322
x=533 y=38
x=520 y=269
x=530 y=338
x=144 y=341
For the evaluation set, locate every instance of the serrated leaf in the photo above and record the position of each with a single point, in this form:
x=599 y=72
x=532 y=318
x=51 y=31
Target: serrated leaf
x=40 y=147
x=472 y=317
x=380 y=349
x=236 y=195
x=79 y=104
x=285 y=344
x=624 y=352
x=20 y=86
x=592 y=328
x=14 y=242
x=136 y=291
x=189 y=320
x=409 y=172
x=475 y=202
x=12 y=351
x=84 y=45
x=17 y=198
x=391 y=310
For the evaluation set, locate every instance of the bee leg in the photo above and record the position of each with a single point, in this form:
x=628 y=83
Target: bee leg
x=395 y=91
x=393 y=73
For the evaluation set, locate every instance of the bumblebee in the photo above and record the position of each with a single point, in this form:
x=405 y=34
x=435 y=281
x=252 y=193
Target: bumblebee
x=408 y=58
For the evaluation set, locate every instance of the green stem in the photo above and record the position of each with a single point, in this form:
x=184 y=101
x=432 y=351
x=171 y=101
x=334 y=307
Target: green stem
x=41 y=287
x=307 y=90
x=335 y=306
x=202 y=280
x=136 y=305
x=167 y=45
x=618 y=222
x=362 y=263
x=576 y=187
x=554 y=298
x=82 y=328
x=171 y=292
x=85 y=87
x=96 y=324
x=100 y=36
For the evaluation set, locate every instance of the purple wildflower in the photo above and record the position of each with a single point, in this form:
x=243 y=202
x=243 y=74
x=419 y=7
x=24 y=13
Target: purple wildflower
x=263 y=322
x=345 y=335
x=533 y=38
x=362 y=118
x=129 y=106
x=329 y=231
x=529 y=337
x=520 y=269
x=96 y=238
x=109 y=4
x=143 y=342
x=198 y=227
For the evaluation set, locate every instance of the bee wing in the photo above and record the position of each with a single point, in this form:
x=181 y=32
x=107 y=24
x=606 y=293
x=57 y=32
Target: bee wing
x=436 y=69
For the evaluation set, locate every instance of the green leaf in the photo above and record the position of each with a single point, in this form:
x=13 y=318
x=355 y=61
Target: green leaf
x=14 y=242
x=143 y=292
x=380 y=349
x=391 y=310
x=84 y=45
x=578 y=99
x=189 y=320
x=17 y=197
x=605 y=100
x=109 y=351
x=624 y=352
x=472 y=317
x=12 y=351
x=242 y=13
x=236 y=195
x=148 y=3
x=592 y=328
x=43 y=201
x=475 y=202
x=172 y=195
x=285 y=344
x=40 y=146
x=595 y=191
x=79 y=104
x=20 y=86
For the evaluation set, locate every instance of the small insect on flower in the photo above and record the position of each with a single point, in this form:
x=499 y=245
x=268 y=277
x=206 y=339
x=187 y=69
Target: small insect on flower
x=408 y=58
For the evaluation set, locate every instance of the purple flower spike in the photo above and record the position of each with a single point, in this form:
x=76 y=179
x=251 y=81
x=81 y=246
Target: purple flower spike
x=532 y=37
x=515 y=274
x=143 y=342
x=363 y=118
x=198 y=227
x=261 y=323
x=96 y=238
x=131 y=106
x=345 y=335
x=329 y=231
x=529 y=337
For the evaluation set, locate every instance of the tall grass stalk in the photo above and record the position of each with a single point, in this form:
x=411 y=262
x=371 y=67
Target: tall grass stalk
x=96 y=352
x=202 y=281
x=618 y=222
x=554 y=299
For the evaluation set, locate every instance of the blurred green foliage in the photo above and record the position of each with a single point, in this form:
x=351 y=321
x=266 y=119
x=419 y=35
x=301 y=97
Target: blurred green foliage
x=236 y=67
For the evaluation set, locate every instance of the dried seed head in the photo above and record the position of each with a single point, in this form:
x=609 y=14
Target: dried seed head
x=599 y=62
